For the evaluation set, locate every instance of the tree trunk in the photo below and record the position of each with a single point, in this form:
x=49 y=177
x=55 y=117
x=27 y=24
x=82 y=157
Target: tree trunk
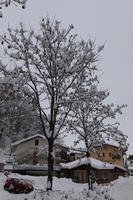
x=50 y=160
x=88 y=172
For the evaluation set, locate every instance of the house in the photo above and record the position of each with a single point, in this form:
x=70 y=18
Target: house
x=26 y=151
x=31 y=154
x=103 y=172
x=107 y=163
x=109 y=152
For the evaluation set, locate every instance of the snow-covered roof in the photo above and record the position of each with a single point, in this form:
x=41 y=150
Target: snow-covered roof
x=29 y=138
x=76 y=151
x=35 y=167
x=35 y=136
x=97 y=164
x=112 y=143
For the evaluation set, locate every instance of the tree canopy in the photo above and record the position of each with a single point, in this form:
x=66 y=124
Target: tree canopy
x=60 y=72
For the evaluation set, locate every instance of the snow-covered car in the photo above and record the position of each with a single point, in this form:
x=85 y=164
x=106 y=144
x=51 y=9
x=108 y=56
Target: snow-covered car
x=15 y=185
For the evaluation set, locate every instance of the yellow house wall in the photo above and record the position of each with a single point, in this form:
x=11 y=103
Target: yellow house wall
x=107 y=149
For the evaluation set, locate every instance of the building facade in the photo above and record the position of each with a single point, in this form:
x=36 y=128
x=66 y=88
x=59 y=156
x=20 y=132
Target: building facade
x=108 y=153
x=33 y=151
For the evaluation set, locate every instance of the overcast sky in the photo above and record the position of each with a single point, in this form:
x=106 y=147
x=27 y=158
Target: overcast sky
x=109 y=21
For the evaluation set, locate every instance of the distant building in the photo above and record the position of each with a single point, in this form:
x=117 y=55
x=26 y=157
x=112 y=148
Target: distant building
x=109 y=152
x=31 y=154
x=107 y=163
x=31 y=150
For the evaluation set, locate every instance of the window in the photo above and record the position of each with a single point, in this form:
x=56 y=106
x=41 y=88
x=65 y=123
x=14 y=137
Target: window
x=101 y=155
x=116 y=155
x=36 y=142
x=110 y=154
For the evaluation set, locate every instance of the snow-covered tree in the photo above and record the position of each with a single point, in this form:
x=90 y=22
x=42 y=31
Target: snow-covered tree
x=94 y=121
x=18 y=116
x=54 y=64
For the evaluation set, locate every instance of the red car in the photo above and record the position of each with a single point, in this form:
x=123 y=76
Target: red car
x=15 y=185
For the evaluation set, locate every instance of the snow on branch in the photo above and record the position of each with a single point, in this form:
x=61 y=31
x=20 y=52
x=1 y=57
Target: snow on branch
x=7 y=3
x=91 y=119
x=54 y=66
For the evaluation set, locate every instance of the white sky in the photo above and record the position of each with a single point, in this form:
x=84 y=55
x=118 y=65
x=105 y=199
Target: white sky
x=109 y=21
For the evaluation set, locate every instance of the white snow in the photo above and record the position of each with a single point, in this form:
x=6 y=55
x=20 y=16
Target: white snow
x=63 y=189
x=130 y=168
x=97 y=164
x=112 y=143
x=34 y=167
x=122 y=189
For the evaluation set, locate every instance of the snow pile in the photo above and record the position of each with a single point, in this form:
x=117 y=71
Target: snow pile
x=122 y=189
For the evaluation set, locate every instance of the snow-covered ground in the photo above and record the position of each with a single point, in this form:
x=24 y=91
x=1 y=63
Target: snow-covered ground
x=65 y=189
x=122 y=189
